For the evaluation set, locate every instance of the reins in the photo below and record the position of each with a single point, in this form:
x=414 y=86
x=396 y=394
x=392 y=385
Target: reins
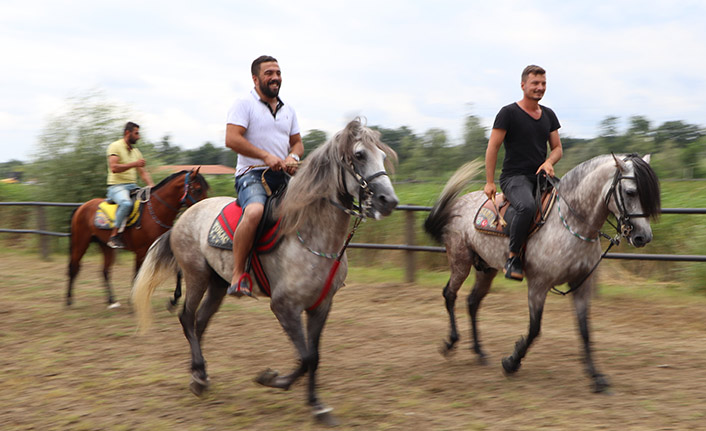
x=147 y=198
x=613 y=240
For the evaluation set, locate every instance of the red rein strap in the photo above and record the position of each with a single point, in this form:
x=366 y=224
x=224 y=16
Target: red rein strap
x=334 y=269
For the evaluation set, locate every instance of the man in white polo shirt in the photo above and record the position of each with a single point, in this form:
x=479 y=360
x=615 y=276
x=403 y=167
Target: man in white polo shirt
x=263 y=131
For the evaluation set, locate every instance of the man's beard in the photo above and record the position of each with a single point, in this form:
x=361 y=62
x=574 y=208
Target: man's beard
x=267 y=91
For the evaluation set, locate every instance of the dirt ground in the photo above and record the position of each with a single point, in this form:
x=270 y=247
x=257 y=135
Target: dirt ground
x=84 y=368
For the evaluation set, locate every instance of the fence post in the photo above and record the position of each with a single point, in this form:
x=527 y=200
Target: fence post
x=409 y=240
x=43 y=239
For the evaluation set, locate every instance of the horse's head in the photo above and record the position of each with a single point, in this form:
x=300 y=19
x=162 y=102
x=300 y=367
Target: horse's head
x=195 y=187
x=363 y=164
x=634 y=198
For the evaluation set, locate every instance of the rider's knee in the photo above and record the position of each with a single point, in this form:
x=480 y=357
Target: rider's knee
x=254 y=211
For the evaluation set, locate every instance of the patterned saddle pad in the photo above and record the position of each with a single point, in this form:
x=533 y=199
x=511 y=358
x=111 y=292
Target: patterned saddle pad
x=488 y=222
x=105 y=215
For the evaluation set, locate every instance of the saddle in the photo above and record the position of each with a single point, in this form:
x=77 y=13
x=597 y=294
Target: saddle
x=488 y=216
x=105 y=214
x=267 y=236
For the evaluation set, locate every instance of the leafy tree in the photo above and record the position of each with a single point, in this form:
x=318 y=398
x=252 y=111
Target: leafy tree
x=312 y=140
x=396 y=139
x=475 y=138
x=207 y=154
x=70 y=164
x=169 y=154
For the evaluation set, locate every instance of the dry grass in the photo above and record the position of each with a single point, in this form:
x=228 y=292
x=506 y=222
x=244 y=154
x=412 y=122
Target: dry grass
x=83 y=368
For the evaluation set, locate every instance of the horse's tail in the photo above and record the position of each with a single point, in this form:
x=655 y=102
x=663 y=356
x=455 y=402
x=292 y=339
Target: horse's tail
x=158 y=265
x=438 y=218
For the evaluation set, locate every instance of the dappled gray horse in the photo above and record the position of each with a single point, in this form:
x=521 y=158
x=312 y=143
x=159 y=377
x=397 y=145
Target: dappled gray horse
x=565 y=250
x=315 y=210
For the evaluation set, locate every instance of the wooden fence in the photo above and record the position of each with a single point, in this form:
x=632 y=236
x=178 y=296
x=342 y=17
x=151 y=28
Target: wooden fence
x=409 y=247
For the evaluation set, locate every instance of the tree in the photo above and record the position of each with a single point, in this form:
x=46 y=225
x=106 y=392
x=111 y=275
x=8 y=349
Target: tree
x=169 y=154
x=207 y=154
x=312 y=140
x=475 y=139
x=70 y=163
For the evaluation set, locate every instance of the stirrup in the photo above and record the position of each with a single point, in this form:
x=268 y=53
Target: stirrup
x=242 y=287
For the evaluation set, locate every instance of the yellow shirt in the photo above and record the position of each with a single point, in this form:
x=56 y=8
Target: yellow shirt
x=119 y=148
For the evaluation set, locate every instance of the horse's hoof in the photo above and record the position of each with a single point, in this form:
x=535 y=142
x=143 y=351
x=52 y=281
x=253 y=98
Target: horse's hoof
x=510 y=365
x=171 y=307
x=113 y=305
x=267 y=377
x=198 y=386
x=323 y=415
x=447 y=349
x=601 y=384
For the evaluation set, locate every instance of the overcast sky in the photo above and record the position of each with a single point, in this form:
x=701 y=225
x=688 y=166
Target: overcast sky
x=179 y=65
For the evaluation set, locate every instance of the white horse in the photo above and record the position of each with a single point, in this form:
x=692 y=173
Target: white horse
x=315 y=211
x=565 y=250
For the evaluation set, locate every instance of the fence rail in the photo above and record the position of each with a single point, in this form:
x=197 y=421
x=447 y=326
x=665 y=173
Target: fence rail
x=409 y=247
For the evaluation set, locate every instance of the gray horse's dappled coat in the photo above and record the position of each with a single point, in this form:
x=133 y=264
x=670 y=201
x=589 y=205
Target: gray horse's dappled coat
x=625 y=186
x=330 y=178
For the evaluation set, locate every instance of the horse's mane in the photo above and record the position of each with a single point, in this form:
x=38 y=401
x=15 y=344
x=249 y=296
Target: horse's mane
x=320 y=176
x=199 y=178
x=645 y=177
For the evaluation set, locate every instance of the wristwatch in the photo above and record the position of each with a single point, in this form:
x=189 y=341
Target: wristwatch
x=294 y=156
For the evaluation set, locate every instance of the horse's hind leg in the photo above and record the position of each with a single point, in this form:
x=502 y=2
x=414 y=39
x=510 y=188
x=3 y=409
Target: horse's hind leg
x=108 y=260
x=484 y=279
x=172 y=302
x=196 y=284
x=217 y=289
x=582 y=300
x=460 y=264
x=537 y=295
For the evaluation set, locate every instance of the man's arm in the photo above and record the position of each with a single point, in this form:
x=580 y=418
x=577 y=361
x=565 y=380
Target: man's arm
x=491 y=159
x=146 y=177
x=116 y=167
x=236 y=141
x=554 y=155
x=296 y=146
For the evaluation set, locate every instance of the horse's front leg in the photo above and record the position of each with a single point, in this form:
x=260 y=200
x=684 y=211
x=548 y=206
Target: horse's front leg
x=582 y=301
x=108 y=260
x=315 y=325
x=290 y=319
x=537 y=295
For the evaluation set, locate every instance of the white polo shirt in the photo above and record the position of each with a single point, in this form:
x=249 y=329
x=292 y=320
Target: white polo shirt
x=263 y=129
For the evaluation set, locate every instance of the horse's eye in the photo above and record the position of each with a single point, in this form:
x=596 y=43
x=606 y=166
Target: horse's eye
x=360 y=155
x=631 y=193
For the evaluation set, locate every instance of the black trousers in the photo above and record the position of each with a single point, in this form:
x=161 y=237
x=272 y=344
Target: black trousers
x=519 y=190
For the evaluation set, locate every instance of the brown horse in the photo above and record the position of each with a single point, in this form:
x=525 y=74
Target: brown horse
x=159 y=213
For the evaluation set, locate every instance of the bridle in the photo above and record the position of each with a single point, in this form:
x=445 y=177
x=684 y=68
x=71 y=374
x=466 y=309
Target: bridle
x=365 y=193
x=186 y=197
x=624 y=225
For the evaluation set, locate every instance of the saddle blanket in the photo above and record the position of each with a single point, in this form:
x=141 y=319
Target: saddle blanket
x=105 y=215
x=221 y=236
x=487 y=220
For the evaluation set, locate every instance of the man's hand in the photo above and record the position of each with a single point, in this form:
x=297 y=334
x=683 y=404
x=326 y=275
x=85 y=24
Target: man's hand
x=490 y=190
x=274 y=162
x=139 y=163
x=292 y=164
x=546 y=167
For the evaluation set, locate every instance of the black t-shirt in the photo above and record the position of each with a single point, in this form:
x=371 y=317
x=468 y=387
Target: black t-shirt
x=525 y=139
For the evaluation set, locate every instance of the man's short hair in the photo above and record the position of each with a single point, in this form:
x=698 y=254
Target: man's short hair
x=130 y=126
x=255 y=68
x=532 y=69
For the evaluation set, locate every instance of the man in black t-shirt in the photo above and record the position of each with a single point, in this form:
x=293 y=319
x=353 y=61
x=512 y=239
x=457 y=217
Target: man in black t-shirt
x=525 y=128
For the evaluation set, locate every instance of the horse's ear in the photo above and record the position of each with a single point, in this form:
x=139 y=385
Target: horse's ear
x=647 y=158
x=195 y=172
x=619 y=163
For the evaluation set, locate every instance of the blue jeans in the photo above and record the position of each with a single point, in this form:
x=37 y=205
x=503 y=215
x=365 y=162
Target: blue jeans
x=250 y=189
x=120 y=194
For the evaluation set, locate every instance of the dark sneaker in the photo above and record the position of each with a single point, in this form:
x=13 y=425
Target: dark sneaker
x=116 y=242
x=242 y=288
x=513 y=269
